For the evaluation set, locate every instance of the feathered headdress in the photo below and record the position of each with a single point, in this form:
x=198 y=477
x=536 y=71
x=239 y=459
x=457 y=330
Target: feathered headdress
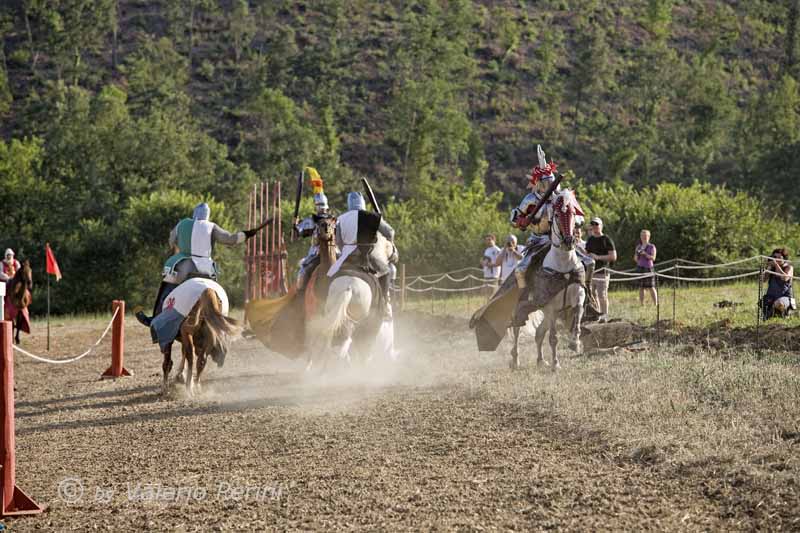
x=320 y=200
x=543 y=169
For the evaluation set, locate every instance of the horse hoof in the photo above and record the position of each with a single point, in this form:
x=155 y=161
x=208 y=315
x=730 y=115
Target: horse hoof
x=556 y=367
x=541 y=363
x=514 y=364
x=576 y=346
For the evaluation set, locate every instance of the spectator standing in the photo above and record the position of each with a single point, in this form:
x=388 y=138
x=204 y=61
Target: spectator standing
x=779 y=272
x=579 y=242
x=645 y=257
x=491 y=273
x=600 y=248
x=509 y=257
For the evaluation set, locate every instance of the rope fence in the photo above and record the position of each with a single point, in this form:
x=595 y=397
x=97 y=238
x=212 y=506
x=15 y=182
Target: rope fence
x=117 y=328
x=437 y=289
x=77 y=357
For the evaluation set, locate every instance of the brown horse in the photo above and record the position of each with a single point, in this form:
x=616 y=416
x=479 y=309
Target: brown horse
x=205 y=331
x=18 y=298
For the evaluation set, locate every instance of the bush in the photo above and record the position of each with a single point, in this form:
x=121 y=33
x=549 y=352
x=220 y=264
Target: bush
x=101 y=263
x=700 y=222
x=442 y=228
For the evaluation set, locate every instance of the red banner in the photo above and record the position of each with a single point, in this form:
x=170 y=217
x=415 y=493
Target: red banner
x=52 y=264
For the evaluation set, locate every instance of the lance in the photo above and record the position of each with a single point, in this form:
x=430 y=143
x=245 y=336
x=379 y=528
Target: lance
x=371 y=196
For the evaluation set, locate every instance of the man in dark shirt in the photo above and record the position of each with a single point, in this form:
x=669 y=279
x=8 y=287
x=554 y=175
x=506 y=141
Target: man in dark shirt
x=600 y=248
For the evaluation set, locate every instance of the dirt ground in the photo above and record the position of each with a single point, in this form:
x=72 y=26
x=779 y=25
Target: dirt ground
x=418 y=444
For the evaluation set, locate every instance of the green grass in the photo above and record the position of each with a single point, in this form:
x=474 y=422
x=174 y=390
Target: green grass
x=693 y=305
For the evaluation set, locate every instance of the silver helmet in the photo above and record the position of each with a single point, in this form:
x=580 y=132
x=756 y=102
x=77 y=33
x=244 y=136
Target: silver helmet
x=355 y=201
x=321 y=202
x=201 y=212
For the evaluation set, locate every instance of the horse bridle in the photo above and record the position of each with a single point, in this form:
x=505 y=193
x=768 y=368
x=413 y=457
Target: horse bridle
x=557 y=236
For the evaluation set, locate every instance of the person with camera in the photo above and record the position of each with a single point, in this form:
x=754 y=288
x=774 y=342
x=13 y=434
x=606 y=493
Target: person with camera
x=491 y=273
x=778 y=275
x=645 y=257
x=508 y=259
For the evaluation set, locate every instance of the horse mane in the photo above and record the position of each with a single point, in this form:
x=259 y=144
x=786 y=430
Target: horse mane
x=213 y=330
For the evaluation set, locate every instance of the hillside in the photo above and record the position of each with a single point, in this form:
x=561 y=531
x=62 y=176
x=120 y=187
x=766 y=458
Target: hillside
x=404 y=91
x=118 y=116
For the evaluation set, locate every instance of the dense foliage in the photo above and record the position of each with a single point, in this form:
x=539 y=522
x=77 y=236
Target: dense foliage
x=699 y=222
x=117 y=115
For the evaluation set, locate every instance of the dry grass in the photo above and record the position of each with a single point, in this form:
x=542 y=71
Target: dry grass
x=673 y=437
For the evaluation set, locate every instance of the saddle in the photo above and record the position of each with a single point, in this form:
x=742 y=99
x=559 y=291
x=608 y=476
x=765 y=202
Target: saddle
x=549 y=283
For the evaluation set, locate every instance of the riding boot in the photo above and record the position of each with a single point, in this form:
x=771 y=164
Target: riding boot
x=163 y=292
x=524 y=306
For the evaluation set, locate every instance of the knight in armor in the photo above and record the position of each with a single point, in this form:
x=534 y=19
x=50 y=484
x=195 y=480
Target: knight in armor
x=522 y=217
x=308 y=228
x=356 y=237
x=193 y=239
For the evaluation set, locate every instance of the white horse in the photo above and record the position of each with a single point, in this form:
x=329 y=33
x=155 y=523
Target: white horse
x=561 y=259
x=349 y=322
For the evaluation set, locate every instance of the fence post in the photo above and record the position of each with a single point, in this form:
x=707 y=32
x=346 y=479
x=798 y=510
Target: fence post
x=759 y=304
x=14 y=501
x=117 y=368
x=402 y=286
x=675 y=292
x=658 y=309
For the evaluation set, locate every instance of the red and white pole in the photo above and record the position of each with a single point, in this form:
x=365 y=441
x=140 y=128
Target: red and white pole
x=117 y=368
x=14 y=501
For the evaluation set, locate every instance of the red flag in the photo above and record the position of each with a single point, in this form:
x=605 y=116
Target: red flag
x=52 y=265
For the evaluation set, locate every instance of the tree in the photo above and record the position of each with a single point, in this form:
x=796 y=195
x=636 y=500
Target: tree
x=241 y=28
x=276 y=137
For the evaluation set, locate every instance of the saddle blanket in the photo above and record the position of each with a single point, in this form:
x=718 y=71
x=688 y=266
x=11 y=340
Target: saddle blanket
x=549 y=283
x=176 y=307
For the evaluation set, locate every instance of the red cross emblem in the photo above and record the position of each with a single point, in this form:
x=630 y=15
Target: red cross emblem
x=170 y=303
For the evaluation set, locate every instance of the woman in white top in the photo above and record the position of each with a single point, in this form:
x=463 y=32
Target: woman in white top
x=508 y=258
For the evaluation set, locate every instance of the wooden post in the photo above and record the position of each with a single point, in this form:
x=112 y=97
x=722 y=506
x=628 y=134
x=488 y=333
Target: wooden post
x=117 y=368
x=675 y=292
x=14 y=501
x=402 y=286
x=658 y=310
x=759 y=305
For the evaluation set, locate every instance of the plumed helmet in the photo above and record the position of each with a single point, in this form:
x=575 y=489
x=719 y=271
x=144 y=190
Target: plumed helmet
x=544 y=171
x=355 y=201
x=9 y=251
x=202 y=212
x=321 y=201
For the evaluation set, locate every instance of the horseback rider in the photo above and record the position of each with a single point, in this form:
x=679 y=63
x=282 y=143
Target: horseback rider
x=308 y=227
x=356 y=236
x=10 y=266
x=194 y=239
x=540 y=180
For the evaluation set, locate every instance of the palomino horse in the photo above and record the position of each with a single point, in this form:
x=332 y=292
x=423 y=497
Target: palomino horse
x=350 y=320
x=561 y=265
x=18 y=298
x=205 y=331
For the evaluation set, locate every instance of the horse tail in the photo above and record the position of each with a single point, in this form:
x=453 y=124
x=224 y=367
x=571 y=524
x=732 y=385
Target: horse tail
x=331 y=324
x=218 y=330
